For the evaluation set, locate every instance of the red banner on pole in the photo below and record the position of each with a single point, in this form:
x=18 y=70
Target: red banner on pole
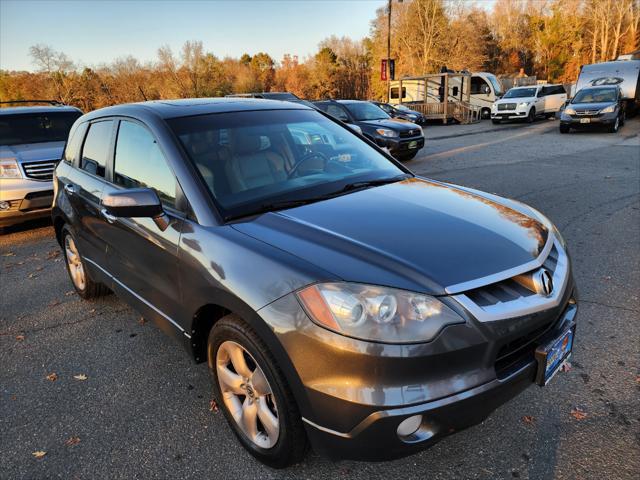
x=383 y=70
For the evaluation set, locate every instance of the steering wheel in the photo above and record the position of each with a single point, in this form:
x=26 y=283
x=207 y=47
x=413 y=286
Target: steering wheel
x=306 y=158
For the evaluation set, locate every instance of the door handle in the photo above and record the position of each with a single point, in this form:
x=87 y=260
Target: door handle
x=107 y=216
x=70 y=189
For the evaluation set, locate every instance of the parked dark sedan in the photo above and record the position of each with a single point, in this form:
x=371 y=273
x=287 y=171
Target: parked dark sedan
x=403 y=139
x=338 y=298
x=402 y=112
x=601 y=107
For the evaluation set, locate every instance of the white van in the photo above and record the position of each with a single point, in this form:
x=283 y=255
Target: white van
x=485 y=89
x=528 y=103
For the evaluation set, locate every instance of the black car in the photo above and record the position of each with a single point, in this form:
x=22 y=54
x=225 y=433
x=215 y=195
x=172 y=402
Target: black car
x=403 y=139
x=599 y=107
x=402 y=112
x=338 y=298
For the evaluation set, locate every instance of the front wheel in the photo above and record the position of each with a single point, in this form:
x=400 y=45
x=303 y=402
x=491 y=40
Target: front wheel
x=615 y=126
x=485 y=113
x=495 y=121
x=405 y=157
x=254 y=395
x=532 y=115
x=564 y=128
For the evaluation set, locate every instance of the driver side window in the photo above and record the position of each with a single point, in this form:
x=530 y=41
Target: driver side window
x=337 y=112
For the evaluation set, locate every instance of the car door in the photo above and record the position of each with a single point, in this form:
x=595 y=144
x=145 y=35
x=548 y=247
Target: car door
x=541 y=100
x=83 y=187
x=556 y=98
x=141 y=257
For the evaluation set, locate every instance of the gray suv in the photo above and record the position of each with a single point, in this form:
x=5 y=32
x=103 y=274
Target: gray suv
x=31 y=143
x=338 y=299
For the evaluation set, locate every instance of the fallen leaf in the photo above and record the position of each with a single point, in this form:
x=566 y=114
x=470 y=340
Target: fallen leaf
x=39 y=454
x=69 y=293
x=13 y=397
x=637 y=378
x=80 y=376
x=213 y=406
x=9 y=254
x=19 y=338
x=33 y=275
x=528 y=419
x=71 y=441
x=39 y=269
x=93 y=310
x=142 y=321
x=566 y=366
x=52 y=377
x=53 y=254
x=578 y=413
x=55 y=303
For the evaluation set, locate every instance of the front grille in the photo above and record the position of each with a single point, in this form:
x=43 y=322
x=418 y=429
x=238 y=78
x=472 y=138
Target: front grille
x=507 y=106
x=40 y=170
x=410 y=133
x=590 y=113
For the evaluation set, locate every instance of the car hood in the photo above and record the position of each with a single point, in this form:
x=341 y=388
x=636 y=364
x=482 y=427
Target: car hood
x=416 y=234
x=394 y=123
x=516 y=100
x=33 y=152
x=591 y=106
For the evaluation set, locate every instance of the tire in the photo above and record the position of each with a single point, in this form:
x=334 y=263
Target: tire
x=279 y=450
x=485 y=113
x=532 y=115
x=615 y=126
x=565 y=128
x=495 y=121
x=407 y=156
x=76 y=267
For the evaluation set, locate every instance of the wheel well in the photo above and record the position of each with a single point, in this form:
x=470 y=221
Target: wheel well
x=58 y=223
x=203 y=321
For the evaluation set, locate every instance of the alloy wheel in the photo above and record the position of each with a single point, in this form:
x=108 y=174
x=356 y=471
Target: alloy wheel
x=247 y=394
x=74 y=263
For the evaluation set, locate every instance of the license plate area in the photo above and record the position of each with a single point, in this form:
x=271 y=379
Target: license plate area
x=552 y=355
x=585 y=120
x=413 y=144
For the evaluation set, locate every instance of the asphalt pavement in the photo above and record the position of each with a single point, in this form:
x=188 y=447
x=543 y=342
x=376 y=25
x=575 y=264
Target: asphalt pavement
x=106 y=395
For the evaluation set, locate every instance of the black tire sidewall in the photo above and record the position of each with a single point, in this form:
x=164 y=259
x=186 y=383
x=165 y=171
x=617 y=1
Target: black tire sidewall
x=279 y=455
x=532 y=115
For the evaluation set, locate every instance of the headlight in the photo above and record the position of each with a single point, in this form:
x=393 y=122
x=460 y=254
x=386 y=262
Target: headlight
x=386 y=132
x=523 y=104
x=376 y=313
x=9 y=168
x=609 y=109
x=569 y=111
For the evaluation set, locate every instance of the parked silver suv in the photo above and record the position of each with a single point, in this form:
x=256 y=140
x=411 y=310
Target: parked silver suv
x=31 y=143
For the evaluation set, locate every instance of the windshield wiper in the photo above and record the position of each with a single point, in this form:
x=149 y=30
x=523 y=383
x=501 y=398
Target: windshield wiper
x=349 y=187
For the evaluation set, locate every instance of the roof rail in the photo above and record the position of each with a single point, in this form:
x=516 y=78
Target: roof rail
x=50 y=102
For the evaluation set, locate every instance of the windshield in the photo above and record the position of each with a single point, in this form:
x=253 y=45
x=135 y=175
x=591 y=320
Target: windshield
x=497 y=86
x=595 y=95
x=21 y=128
x=404 y=109
x=520 y=93
x=249 y=160
x=363 y=111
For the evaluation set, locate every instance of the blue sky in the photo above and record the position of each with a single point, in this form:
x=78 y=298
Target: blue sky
x=99 y=31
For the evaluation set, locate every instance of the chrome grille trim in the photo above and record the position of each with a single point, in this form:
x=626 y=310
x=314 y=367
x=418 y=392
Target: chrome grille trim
x=521 y=302
x=511 y=272
x=41 y=170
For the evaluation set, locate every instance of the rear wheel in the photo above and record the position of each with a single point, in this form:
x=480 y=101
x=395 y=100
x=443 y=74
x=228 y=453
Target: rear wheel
x=254 y=394
x=84 y=285
x=532 y=115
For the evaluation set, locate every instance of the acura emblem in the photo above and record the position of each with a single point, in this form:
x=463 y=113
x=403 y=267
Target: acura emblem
x=543 y=282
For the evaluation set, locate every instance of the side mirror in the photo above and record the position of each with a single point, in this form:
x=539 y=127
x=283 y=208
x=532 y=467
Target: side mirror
x=486 y=90
x=134 y=202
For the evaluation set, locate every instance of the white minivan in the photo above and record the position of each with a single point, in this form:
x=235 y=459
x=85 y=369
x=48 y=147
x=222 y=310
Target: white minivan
x=527 y=103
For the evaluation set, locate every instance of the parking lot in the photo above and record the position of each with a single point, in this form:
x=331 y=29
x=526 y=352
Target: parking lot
x=107 y=395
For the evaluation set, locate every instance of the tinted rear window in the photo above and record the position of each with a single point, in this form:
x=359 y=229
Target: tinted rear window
x=24 y=128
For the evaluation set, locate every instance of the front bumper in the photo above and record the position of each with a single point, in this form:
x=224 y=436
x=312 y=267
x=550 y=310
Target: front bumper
x=355 y=393
x=576 y=121
x=401 y=145
x=509 y=115
x=26 y=199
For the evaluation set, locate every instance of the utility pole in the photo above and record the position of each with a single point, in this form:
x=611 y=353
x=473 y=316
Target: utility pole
x=389 y=53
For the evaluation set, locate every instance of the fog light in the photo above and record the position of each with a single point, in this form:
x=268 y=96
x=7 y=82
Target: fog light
x=409 y=425
x=4 y=205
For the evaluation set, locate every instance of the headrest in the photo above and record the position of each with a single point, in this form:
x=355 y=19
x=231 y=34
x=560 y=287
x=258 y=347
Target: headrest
x=246 y=144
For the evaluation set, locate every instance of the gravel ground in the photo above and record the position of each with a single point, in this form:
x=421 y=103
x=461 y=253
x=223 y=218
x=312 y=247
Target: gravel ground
x=143 y=409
